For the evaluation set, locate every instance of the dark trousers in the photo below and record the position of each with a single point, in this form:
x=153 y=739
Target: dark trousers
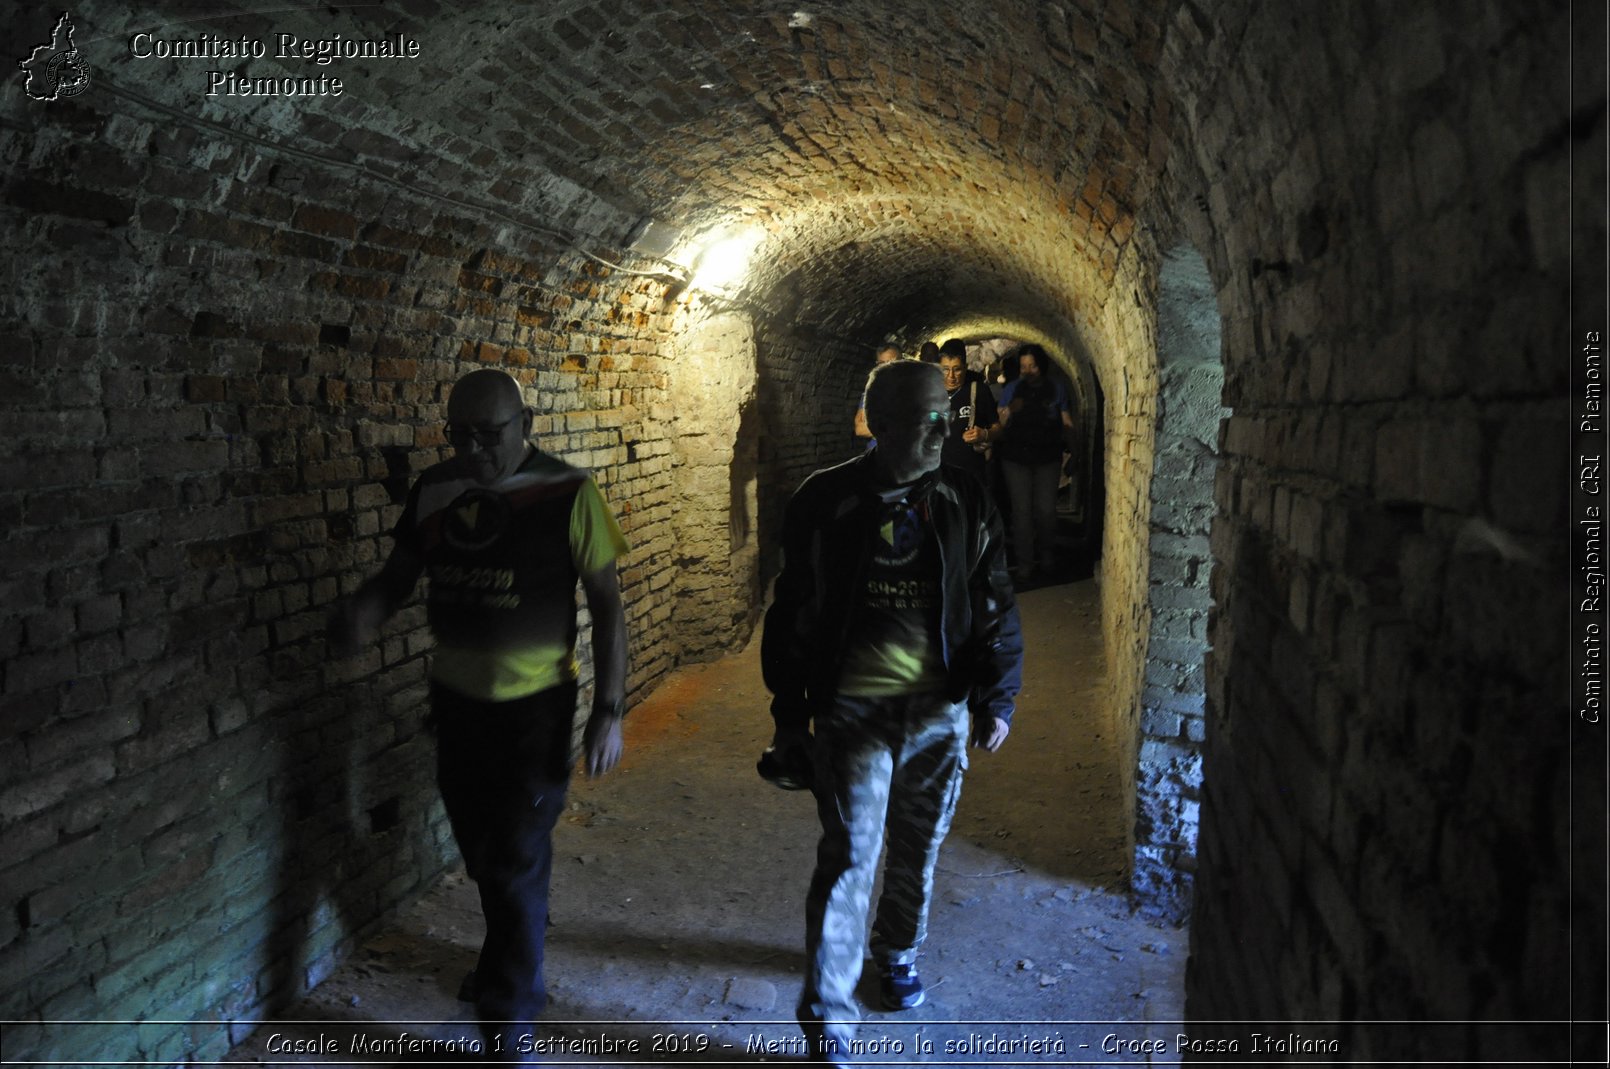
x=1033 y=490
x=503 y=768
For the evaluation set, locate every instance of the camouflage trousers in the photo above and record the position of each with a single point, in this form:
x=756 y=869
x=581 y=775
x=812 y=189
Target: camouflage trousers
x=881 y=764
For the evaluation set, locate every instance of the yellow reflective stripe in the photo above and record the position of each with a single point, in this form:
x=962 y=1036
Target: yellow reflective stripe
x=881 y=671
x=501 y=677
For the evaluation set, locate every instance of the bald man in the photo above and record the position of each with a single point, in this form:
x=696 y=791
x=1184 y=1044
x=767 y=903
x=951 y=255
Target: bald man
x=504 y=533
x=892 y=639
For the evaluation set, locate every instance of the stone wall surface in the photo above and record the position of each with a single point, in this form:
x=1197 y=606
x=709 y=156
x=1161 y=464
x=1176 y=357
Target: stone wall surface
x=223 y=375
x=230 y=323
x=717 y=470
x=1383 y=821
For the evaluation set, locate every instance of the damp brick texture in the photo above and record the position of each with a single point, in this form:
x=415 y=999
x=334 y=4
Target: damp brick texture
x=1314 y=263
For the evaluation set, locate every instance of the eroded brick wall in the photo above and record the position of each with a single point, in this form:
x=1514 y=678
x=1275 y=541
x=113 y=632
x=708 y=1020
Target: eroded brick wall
x=1174 y=694
x=1173 y=698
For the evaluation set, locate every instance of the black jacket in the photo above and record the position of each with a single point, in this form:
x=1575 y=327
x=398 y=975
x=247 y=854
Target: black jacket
x=828 y=534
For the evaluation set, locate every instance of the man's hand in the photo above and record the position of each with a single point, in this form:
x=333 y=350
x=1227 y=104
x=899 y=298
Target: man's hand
x=990 y=733
x=972 y=435
x=788 y=762
x=355 y=622
x=603 y=743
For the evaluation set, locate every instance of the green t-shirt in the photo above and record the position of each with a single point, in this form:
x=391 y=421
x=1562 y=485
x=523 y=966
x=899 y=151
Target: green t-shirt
x=502 y=562
x=893 y=644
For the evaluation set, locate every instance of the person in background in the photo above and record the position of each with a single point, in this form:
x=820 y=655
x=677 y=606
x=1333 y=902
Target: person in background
x=887 y=353
x=973 y=415
x=1036 y=426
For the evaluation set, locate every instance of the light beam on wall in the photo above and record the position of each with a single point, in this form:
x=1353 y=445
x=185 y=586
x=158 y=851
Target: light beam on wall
x=725 y=260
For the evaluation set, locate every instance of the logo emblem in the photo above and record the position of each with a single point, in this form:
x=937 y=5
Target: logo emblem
x=901 y=536
x=475 y=519
x=57 y=69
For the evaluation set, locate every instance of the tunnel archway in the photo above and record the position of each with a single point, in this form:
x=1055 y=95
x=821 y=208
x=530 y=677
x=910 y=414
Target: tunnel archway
x=715 y=464
x=234 y=318
x=1080 y=499
x=327 y=279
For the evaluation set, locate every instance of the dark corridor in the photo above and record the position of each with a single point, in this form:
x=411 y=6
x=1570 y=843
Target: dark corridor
x=1337 y=272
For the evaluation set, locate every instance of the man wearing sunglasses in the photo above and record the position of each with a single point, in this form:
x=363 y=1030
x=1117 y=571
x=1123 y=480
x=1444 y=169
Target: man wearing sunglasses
x=892 y=624
x=504 y=532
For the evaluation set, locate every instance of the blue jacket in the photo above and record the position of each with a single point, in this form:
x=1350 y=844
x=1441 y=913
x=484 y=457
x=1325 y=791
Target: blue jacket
x=828 y=533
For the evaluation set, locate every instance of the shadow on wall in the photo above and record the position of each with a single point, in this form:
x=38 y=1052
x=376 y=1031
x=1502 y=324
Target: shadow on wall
x=316 y=898
x=807 y=390
x=359 y=827
x=743 y=523
x=349 y=824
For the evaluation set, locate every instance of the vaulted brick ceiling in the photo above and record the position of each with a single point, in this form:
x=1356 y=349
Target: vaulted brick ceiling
x=908 y=161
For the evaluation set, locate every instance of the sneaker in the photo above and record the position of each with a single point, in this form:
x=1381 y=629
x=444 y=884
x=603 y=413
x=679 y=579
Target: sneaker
x=900 y=987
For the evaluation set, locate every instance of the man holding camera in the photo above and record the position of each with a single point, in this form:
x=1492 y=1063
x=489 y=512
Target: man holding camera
x=892 y=625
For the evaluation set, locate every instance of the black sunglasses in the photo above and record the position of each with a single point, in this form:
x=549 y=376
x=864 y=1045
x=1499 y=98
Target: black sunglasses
x=484 y=435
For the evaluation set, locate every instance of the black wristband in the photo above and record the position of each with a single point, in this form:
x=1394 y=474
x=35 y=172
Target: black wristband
x=616 y=708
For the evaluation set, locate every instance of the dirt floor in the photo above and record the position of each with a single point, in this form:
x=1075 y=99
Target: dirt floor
x=679 y=884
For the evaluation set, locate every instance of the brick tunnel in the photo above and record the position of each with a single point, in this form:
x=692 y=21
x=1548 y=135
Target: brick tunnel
x=1310 y=268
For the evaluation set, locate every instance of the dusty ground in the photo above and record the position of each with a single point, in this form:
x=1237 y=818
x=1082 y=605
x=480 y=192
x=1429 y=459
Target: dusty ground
x=679 y=882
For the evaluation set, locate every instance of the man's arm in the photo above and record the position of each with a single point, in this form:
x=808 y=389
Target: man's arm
x=998 y=635
x=602 y=736
x=986 y=419
x=355 y=622
x=1010 y=403
x=783 y=659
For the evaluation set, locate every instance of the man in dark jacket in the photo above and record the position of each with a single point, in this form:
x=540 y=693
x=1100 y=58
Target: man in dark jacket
x=893 y=620
x=973 y=416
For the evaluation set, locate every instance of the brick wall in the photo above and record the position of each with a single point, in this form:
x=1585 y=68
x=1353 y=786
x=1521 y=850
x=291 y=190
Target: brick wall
x=220 y=388
x=1384 y=781
x=1123 y=354
x=230 y=325
x=807 y=392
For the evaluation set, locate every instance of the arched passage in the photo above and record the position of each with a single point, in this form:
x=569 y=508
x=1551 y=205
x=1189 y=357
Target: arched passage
x=233 y=319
